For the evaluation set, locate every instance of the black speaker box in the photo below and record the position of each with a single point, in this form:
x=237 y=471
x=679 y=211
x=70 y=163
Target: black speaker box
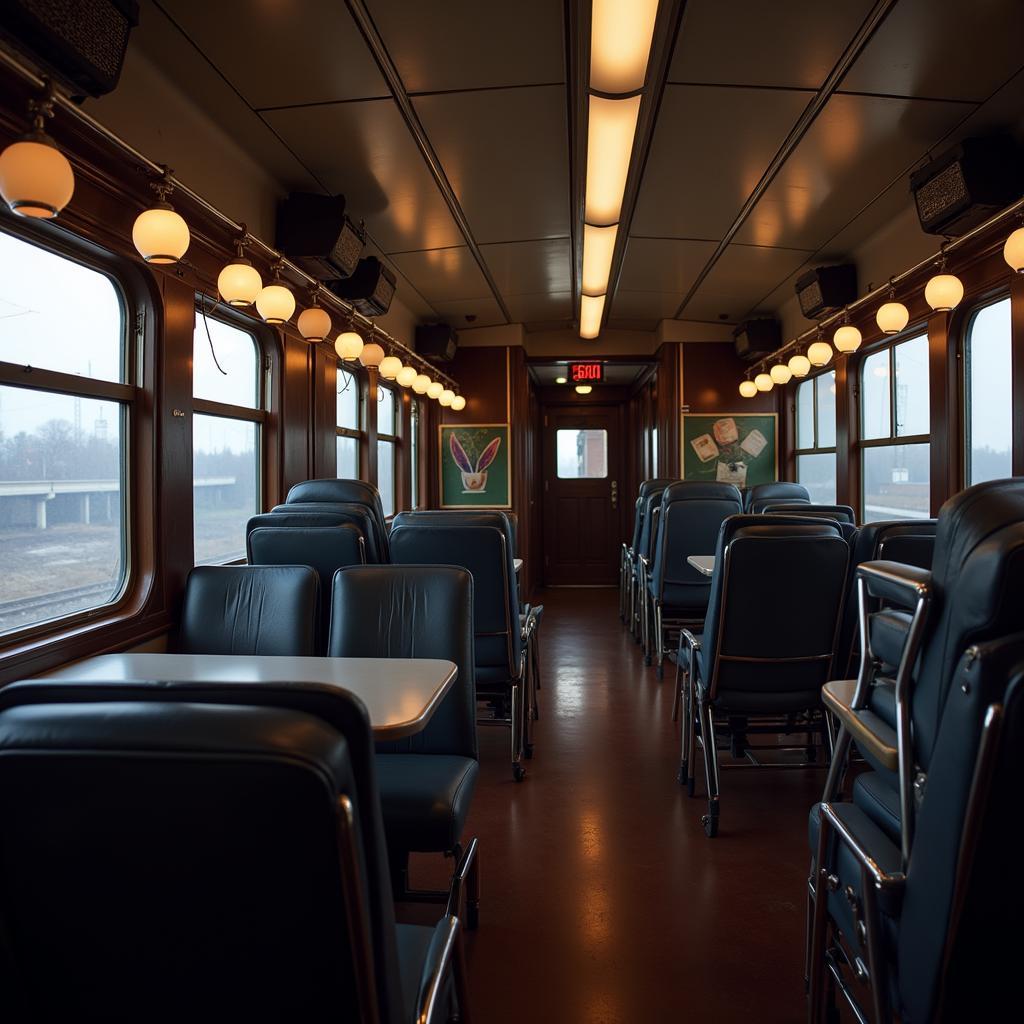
x=370 y=289
x=967 y=184
x=823 y=290
x=80 y=42
x=757 y=338
x=437 y=342
x=314 y=232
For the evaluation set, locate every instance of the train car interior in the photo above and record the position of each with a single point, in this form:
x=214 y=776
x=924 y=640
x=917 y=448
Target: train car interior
x=511 y=511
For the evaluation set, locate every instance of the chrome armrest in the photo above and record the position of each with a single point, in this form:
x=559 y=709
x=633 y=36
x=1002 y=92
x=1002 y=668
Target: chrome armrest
x=440 y=957
x=890 y=880
x=900 y=584
x=693 y=641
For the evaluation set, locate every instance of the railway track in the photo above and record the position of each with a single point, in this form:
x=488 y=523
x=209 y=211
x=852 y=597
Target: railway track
x=75 y=597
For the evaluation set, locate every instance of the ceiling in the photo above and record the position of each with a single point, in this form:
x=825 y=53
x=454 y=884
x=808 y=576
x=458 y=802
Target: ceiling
x=447 y=127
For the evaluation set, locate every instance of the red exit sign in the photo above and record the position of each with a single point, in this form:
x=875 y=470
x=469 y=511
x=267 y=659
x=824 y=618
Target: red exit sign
x=586 y=373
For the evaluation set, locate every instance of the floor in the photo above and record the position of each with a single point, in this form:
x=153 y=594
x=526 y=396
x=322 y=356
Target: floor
x=602 y=900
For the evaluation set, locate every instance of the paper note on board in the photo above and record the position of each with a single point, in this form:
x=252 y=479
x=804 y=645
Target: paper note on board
x=705 y=448
x=732 y=473
x=754 y=443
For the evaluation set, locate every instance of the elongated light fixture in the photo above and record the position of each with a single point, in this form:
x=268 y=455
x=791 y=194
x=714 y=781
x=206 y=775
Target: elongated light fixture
x=620 y=44
x=591 y=309
x=239 y=282
x=160 y=233
x=275 y=303
x=36 y=179
x=598 y=246
x=612 y=126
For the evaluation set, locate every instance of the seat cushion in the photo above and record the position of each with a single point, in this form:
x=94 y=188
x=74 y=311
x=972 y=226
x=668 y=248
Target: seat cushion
x=425 y=799
x=889 y=629
x=492 y=679
x=880 y=800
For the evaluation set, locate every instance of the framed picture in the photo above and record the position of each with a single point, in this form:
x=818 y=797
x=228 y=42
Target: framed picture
x=475 y=466
x=734 y=448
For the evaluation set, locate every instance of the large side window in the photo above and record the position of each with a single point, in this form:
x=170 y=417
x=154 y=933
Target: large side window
x=349 y=425
x=816 y=437
x=988 y=419
x=894 y=445
x=227 y=425
x=66 y=405
x=387 y=444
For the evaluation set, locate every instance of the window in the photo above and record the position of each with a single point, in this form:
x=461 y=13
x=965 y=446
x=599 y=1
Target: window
x=988 y=419
x=226 y=437
x=64 y=430
x=387 y=440
x=414 y=455
x=349 y=428
x=816 y=437
x=894 y=418
x=581 y=454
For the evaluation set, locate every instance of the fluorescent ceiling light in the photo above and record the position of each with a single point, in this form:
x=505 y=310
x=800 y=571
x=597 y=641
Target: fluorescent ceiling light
x=609 y=149
x=591 y=310
x=620 y=43
x=598 y=245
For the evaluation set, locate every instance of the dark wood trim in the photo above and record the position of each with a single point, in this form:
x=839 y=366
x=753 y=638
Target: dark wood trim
x=1017 y=369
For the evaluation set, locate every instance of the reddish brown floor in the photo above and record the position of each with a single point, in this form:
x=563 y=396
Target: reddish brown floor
x=603 y=902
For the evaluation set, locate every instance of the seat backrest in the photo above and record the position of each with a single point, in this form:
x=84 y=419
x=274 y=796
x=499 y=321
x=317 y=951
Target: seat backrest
x=638 y=516
x=249 y=609
x=484 y=551
x=338 y=710
x=413 y=611
x=649 y=524
x=692 y=513
x=325 y=549
x=332 y=491
x=960 y=903
x=977 y=592
x=757 y=496
x=774 y=607
x=161 y=857
x=658 y=483
x=461 y=517
x=358 y=515
x=841 y=513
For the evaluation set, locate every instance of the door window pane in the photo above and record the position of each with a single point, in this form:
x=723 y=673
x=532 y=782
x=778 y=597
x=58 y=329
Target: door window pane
x=56 y=314
x=225 y=364
x=875 y=395
x=912 y=386
x=386 y=475
x=348 y=400
x=826 y=385
x=63 y=537
x=582 y=454
x=386 y=411
x=348 y=458
x=989 y=442
x=225 y=492
x=805 y=414
x=896 y=482
x=817 y=473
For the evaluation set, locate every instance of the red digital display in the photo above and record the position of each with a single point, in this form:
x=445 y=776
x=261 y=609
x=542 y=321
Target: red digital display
x=586 y=373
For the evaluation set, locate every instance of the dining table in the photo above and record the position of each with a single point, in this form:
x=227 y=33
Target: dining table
x=704 y=564
x=400 y=694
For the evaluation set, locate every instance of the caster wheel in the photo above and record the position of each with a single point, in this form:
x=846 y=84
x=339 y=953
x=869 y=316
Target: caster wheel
x=691 y=784
x=518 y=772
x=472 y=916
x=528 y=750
x=710 y=823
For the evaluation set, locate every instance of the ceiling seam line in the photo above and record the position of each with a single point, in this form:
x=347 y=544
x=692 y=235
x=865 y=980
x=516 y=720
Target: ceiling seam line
x=380 y=54
x=796 y=134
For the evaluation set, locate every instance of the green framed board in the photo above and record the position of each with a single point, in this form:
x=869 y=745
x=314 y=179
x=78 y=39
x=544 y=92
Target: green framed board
x=475 y=467
x=735 y=448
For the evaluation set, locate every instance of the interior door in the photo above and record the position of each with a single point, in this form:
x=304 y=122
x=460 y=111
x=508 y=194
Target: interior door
x=582 y=472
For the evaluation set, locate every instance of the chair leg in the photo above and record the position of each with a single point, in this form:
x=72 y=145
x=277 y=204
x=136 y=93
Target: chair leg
x=684 y=731
x=690 y=717
x=707 y=728
x=648 y=625
x=518 y=771
x=675 y=696
x=659 y=640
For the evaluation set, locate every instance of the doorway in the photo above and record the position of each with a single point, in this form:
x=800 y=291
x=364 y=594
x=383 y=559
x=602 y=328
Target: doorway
x=581 y=500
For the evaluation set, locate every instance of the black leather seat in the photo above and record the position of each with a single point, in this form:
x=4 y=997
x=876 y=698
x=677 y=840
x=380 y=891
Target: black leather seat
x=499 y=658
x=626 y=564
x=173 y=856
x=325 y=549
x=358 y=515
x=642 y=573
x=249 y=609
x=928 y=929
x=341 y=492
x=631 y=565
x=841 y=513
x=426 y=781
x=692 y=513
x=768 y=639
x=757 y=497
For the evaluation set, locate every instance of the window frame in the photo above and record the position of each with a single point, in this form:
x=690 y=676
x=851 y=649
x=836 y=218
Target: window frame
x=258 y=414
x=395 y=440
x=357 y=433
x=815 y=449
x=126 y=394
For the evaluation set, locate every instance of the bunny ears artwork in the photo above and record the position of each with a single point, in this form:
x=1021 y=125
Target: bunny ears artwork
x=475 y=468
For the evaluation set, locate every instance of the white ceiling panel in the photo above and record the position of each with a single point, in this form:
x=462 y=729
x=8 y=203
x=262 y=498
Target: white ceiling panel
x=524 y=268
x=277 y=54
x=649 y=305
x=469 y=44
x=711 y=146
x=663 y=264
x=444 y=275
x=485 y=312
x=792 y=44
x=364 y=150
x=852 y=152
x=505 y=153
x=948 y=49
x=540 y=307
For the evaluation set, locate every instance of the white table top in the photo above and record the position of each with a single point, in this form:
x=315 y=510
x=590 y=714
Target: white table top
x=517 y=564
x=704 y=564
x=400 y=694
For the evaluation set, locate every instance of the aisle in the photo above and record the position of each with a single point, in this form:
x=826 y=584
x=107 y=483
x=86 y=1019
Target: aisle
x=603 y=902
